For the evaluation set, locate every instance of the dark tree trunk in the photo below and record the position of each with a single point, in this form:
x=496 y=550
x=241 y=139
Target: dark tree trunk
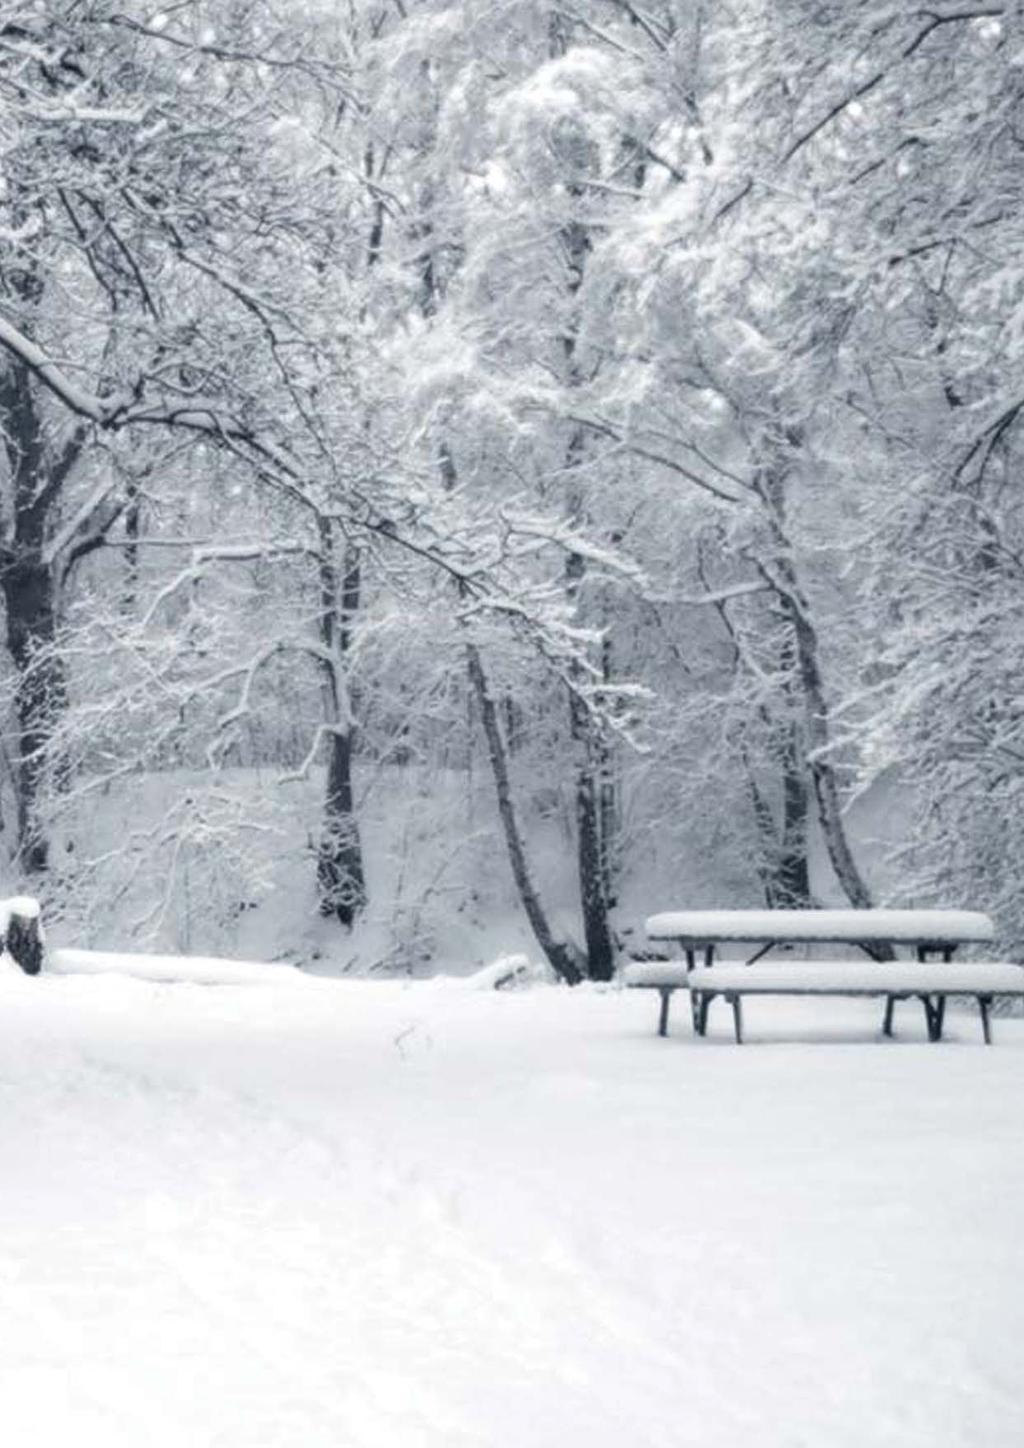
x=608 y=821
x=341 y=879
x=132 y=529
x=792 y=884
x=590 y=858
x=339 y=866
x=592 y=862
x=40 y=692
x=562 y=957
x=30 y=597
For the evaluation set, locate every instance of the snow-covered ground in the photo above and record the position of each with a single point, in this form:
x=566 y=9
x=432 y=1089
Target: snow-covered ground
x=350 y=1214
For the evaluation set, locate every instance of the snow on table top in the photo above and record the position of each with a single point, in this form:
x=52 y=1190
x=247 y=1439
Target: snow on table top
x=869 y=976
x=823 y=925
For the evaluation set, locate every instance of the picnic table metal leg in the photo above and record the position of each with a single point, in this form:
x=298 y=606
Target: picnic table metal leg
x=934 y=1011
x=737 y=1017
x=984 y=1002
x=940 y=1015
x=703 y=1005
x=890 y=1004
x=666 y=996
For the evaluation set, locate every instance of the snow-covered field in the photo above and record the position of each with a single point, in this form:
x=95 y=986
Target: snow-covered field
x=310 y=1213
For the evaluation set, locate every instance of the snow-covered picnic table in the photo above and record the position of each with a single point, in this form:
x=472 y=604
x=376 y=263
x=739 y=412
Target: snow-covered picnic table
x=878 y=934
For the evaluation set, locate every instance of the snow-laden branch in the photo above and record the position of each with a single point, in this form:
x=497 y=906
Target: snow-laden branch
x=987 y=439
x=562 y=534
x=268 y=56
x=296 y=776
x=81 y=402
x=205 y=554
x=243 y=707
x=933 y=20
x=119 y=412
x=77 y=521
x=279 y=469
x=732 y=490
x=248 y=672
x=249 y=552
x=68 y=110
x=718 y=597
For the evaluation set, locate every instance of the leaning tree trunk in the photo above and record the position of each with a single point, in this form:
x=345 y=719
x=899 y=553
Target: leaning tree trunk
x=782 y=576
x=341 y=879
x=563 y=957
x=823 y=774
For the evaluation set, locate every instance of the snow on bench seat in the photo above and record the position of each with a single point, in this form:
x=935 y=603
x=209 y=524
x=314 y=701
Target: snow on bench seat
x=827 y=926
x=861 y=977
x=656 y=973
x=932 y=982
x=831 y=977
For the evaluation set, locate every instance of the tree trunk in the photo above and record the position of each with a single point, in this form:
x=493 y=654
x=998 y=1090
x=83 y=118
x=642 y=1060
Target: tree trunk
x=823 y=776
x=339 y=865
x=40 y=693
x=608 y=796
x=591 y=847
x=341 y=879
x=590 y=861
x=132 y=529
x=30 y=597
x=792 y=885
x=782 y=575
x=562 y=956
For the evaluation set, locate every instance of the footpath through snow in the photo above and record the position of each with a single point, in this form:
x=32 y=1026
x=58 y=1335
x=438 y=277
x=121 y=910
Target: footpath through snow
x=372 y=1215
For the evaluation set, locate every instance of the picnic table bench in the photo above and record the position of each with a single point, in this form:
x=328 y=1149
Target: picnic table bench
x=929 y=933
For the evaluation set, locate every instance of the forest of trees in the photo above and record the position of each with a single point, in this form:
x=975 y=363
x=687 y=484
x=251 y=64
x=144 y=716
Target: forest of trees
x=623 y=396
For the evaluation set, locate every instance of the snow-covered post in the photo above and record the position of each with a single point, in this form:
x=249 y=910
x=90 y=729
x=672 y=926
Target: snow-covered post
x=22 y=932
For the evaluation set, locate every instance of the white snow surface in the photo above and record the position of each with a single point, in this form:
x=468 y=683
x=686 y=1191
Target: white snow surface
x=823 y=925
x=357 y=1214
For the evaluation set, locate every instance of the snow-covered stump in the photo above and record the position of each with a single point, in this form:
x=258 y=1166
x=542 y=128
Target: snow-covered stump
x=22 y=932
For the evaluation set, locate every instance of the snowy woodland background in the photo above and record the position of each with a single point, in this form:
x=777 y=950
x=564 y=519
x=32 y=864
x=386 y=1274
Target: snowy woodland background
x=503 y=466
